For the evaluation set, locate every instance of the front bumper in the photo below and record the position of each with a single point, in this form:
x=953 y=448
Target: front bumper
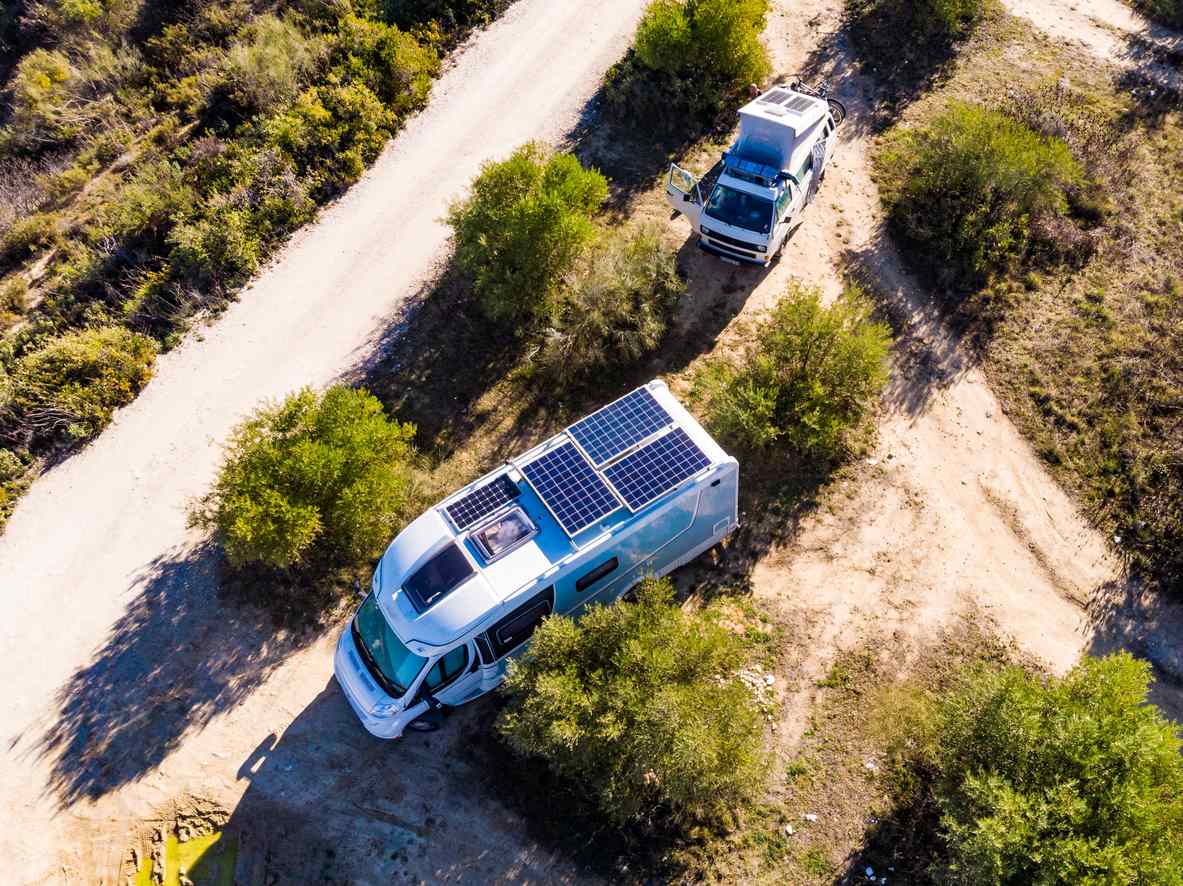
x=723 y=251
x=361 y=691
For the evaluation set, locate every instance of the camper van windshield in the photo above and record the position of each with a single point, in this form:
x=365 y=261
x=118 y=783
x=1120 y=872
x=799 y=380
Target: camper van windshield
x=741 y=209
x=396 y=665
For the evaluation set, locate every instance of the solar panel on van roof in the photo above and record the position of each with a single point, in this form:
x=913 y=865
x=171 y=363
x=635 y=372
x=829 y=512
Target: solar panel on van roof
x=610 y=431
x=482 y=501
x=570 y=487
x=656 y=468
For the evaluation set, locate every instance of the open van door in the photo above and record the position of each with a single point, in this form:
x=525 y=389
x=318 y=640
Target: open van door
x=683 y=194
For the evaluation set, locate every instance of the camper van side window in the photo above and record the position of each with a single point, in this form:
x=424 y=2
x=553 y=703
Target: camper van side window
x=517 y=627
x=586 y=581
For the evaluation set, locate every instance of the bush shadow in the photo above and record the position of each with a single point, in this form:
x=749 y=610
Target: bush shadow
x=177 y=658
x=328 y=802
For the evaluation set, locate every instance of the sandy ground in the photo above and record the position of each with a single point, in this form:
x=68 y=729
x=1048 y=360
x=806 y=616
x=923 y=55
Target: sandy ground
x=113 y=649
x=130 y=688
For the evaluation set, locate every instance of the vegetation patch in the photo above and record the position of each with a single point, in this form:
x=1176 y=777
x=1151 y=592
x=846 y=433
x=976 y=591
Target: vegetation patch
x=908 y=44
x=1169 y=12
x=153 y=155
x=314 y=483
x=807 y=380
x=690 y=61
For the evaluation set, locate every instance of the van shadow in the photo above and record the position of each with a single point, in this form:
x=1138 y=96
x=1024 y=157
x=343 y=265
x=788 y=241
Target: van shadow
x=327 y=802
x=175 y=659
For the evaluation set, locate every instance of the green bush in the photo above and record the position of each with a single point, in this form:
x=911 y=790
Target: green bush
x=965 y=189
x=26 y=237
x=690 y=59
x=44 y=101
x=11 y=467
x=616 y=310
x=149 y=202
x=807 y=379
x=391 y=63
x=332 y=133
x=450 y=16
x=523 y=227
x=640 y=703
x=1072 y=780
x=71 y=386
x=266 y=69
x=316 y=480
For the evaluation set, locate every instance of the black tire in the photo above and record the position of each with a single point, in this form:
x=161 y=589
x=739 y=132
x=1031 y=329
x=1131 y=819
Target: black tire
x=838 y=110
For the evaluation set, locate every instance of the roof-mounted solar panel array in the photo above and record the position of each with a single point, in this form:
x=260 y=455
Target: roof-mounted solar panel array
x=606 y=433
x=481 y=502
x=653 y=470
x=570 y=487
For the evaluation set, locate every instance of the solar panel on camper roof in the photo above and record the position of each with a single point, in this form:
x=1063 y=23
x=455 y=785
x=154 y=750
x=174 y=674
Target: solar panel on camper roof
x=655 y=469
x=799 y=104
x=570 y=487
x=613 y=429
x=482 y=501
x=775 y=96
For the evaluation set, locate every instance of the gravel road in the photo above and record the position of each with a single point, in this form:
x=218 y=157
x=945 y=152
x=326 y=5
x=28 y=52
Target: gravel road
x=112 y=649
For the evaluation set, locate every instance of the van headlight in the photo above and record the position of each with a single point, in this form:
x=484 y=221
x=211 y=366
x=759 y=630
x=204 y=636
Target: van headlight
x=387 y=708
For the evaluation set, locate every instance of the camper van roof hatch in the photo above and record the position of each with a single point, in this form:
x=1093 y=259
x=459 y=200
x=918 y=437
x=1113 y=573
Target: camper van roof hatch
x=503 y=533
x=445 y=571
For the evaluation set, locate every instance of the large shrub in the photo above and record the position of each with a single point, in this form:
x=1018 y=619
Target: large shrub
x=391 y=63
x=1072 y=780
x=616 y=308
x=690 y=58
x=71 y=386
x=1169 y=12
x=807 y=378
x=966 y=189
x=523 y=227
x=316 y=480
x=640 y=703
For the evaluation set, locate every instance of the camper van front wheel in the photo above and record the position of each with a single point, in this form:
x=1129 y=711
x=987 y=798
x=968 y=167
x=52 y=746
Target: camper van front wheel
x=431 y=720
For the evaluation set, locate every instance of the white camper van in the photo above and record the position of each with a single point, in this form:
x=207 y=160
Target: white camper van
x=786 y=139
x=636 y=489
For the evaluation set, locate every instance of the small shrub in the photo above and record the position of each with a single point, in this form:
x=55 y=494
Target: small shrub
x=316 y=480
x=391 y=63
x=332 y=133
x=149 y=202
x=26 y=237
x=44 y=99
x=71 y=386
x=616 y=310
x=523 y=227
x=1072 y=780
x=690 y=58
x=14 y=301
x=266 y=69
x=450 y=16
x=964 y=189
x=806 y=381
x=640 y=704
x=11 y=467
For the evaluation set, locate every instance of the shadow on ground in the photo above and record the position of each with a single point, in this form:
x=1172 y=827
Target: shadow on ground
x=1128 y=615
x=175 y=659
x=328 y=803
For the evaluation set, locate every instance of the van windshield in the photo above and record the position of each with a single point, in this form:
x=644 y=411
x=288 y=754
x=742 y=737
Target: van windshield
x=393 y=664
x=740 y=208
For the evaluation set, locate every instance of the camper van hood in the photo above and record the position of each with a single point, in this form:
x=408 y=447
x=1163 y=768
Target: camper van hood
x=455 y=615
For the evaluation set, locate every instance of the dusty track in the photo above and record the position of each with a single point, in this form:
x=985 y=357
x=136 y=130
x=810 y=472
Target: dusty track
x=113 y=648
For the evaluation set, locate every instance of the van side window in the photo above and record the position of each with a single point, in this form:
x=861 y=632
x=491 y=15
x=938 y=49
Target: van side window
x=447 y=668
x=586 y=581
x=517 y=627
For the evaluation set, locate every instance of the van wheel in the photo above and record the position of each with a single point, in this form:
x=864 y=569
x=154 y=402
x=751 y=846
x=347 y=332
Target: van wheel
x=424 y=724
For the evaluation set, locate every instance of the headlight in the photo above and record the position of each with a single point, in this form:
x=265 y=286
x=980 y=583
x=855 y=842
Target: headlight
x=387 y=708
x=760 y=248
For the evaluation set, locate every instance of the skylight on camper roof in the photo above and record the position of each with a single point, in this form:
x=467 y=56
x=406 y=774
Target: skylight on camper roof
x=570 y=487
x=653 y=470
x=438 y=577
x=609 y=431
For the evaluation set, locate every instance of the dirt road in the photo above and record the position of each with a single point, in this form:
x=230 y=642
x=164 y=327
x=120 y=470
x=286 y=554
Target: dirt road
x=124 y=684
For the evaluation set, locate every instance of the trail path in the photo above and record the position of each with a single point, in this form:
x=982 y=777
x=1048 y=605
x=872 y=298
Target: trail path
x=953 y=515
x=96 y=562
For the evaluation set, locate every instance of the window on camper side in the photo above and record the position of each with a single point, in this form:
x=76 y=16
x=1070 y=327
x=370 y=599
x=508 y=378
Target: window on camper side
x=447 y=668
x=586 y=581
x=517 y=627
